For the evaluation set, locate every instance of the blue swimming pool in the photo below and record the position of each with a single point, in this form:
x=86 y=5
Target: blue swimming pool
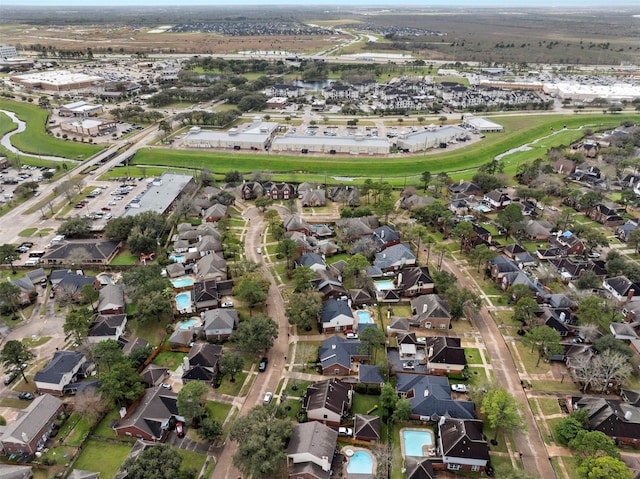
x=183 y=301
x=364 y=317
x=385 y=285
x=182 y=282
x=360 y=463
x=190 y=323
x=416 y=442
x=177 y=258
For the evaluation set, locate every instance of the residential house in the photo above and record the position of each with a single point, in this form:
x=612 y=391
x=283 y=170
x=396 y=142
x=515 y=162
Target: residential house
x=623 y=332
x=462 y=445
x=347 y=195
x=430 y=397
x=25 y=286
x=367 y=428
x=311 y=260
x=631 y=309
x=500 y=266
x=214 y=213
x=211 y=267
x=568 y=243
x=12 y=471
x=83 y=251
x=354 y=228
x=395 y=258
x=623 y=232
x=201 y=364
x=218 y=324
x=37 y=275
x=415 y=201
x=564 y=166
x=314 y=198
x=617 y=419
x=459 y=207
x=608 y=214
x=359 y=297
x=111 y=300
x=310 y=451
x=69 y=286
x=328 y=402
x=397 y=325
x=338 y=355
x=621 y=288
x=251 y=190
x=518 y=277
x=496 y=199
x=415 y=281
x=130 y=345
x=205 y=295
x=512 y=250
x=149 y=418
x=418 y=468
x=385 y=236
x=537 y=230
x=279 y=191
x=336 y=315
x=63 y=369
x=105 y=327
x=296 y=223
x=558 y=319
x=370 y=375
x=32 y=427
x=329 y=285
x=444 y=355
x=570 y=270
x=466 y=188
x=153 y=375
x=430 y=311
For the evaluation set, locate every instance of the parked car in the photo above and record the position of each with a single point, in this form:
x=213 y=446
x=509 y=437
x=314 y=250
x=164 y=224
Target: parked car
x=268 y=397
x=459 y=388
x=227 y=304
x=26 y=396
x=166 y=386
x=259 y=250
x=180 y=429
x=345 y=431
x=9 y=378
x=263 y=364
x=352 y=336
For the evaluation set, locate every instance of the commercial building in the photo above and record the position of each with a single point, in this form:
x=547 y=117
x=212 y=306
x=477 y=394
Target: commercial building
x=431 y=138
x=579 y=91
x=481 y=124
x=8 y=51
x=89 y=127
x=353 y=145
x=57 y=80
x=255 y=136
x=162 y=193
x=79 y=108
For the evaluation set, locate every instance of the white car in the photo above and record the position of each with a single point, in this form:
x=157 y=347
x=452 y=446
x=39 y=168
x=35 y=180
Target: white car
x=268 y=397
x=352 y=336
x=259 y=250
x=459 y=388
x=227 y=304
x=345 y=431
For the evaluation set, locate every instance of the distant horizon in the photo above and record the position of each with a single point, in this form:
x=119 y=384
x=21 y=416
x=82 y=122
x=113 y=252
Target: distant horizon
x=514 y=4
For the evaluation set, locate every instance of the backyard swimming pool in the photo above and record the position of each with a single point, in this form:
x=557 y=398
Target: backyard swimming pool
x=417 y=442
x=183 y=301
x=384 y=285
x=360 y=463
x=177 y=258
x=189 y=323
x=184 y=282
x=364 y=317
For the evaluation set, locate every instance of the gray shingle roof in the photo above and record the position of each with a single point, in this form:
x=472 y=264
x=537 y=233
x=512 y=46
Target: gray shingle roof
x=432 y=396
x=62 y=363
x=34 y=418
x=314 y=438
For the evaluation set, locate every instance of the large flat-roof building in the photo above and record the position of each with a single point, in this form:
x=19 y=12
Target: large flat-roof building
x=57 y=80
x=256 y=135
x=162 y=194
x=481 y=124
x=79 y=108
x=89 y=127
x=578 y=91
x=353 y=145
x=430 y=138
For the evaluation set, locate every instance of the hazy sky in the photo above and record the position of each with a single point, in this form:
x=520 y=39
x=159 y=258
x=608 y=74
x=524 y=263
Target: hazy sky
x=477 y=3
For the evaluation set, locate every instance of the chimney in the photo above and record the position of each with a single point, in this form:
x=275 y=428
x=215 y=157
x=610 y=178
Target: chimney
x=627 y=415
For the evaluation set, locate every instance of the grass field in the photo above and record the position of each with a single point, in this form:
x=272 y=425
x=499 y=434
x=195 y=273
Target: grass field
x=519 y=130
x=35 y=139
x=105 y=458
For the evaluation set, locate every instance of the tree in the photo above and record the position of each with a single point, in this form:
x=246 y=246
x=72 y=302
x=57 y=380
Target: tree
x=89 y=402
x=15 y=356
x=77 y=324
x=158 y=462
x=165 y=127
x=634 y=239
x=256 y=333
x=567 y=429
x=588 y=280
x=302 y=277
x=609 y=342
x=458 y=299
x=262 y=438
x=107 y=354
x=287 y=248
x=210 y=430
x=545 y=340
x=232 y=364
x=77 y=227
x=263 y=202
x=502 y=411
x=139 y=355
x=153 y=306
x=604 y=467
x=519 y=291
x=426 y=179
x=121 y=385
x=593 y=443
x=525 y=310
x=590 y=310
x=481 y=254
x=190 y=401
x=303 y=309
x=594 y=238
x=250 y=292
x=90 y=295
x=8 y=255
x=509 y=218
x=403 y=409
x=9 y=296
x=372 y=338
x=462 y=231
x=388 y=400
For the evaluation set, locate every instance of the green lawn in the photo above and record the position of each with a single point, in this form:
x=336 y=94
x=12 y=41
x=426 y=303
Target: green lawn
x=28 y=232
x=169 y=359
x=218 y=411
x=103 y=429
x=80 y=431
x=549 y=406
x=102 y=457
x=555 y=386
x=124 y=258
x=363 y=403
x=570 y=464
x=231 y=388
x=473 y=355
x=300 y=385
x=35 y=140
x=530 y=359
x=192 y=460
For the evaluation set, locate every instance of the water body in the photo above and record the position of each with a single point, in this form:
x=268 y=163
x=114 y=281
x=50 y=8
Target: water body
x=315 y=85
x=22 y=126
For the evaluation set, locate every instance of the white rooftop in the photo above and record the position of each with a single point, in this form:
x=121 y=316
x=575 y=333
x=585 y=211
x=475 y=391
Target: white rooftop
x=58 y=77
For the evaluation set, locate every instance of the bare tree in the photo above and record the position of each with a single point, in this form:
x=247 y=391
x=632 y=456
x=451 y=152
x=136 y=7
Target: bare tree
x=612 y=367
x=584 y=370
x=90 y=403
x=305 y=351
